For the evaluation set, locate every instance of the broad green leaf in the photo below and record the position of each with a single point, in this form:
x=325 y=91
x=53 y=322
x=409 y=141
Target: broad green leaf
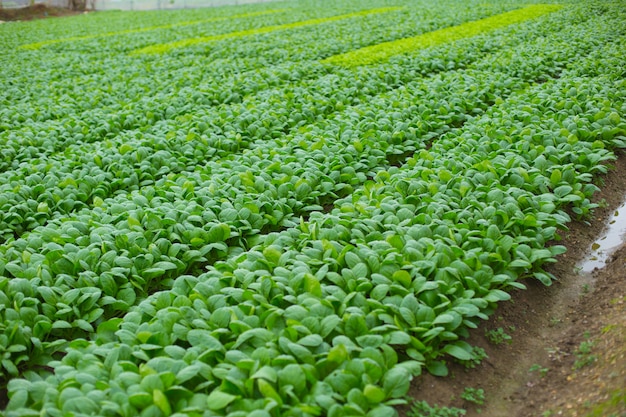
x=151 y=273
x=338 y=354
x=402 y=277
x=374 y=394
x=396 y=382
x=140 y=400
x=399 y=338
x=268 y=391
x=382 y=411
x=370 y=340
x=520 y=263
x=329 y=324
x=495 y=296
x=204 y=340
x=266 y=372
x=292 y=375
x=220 y=232
x=352 y=259
x=10 y=367
x=437 y=368
x=457 y=352
x=161 y=401
x=312 y=340
x=165 y=265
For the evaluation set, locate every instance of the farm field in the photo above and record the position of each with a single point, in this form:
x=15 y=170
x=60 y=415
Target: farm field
x=290 y=208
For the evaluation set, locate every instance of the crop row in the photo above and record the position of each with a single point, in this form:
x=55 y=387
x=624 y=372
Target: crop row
x=309 y=321
x=119 y=250
x=99 y=116
x=304 y=309
x=150 y=75
x=128 y=174
x=166 y=47
x=42 y=208
x=383 y=51
x=37 y=45
x=265 y=384
x=214 y=135
x=290 y=49
x=301 y=21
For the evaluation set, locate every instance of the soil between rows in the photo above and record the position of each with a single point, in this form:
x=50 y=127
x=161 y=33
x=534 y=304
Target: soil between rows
x=544 y=371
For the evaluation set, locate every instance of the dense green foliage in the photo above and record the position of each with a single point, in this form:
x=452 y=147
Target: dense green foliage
x=238 y=227
x=383 y=51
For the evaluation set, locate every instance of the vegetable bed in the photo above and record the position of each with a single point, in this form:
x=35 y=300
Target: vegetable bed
x=286 y=210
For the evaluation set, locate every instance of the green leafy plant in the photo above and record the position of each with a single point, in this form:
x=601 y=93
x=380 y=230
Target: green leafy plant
x=384 y=51
x=477 y=355
x=583 y=354
x=540 y=369
x=473 y=395
x=238 y=228
x=498 y=336
x=423 y=409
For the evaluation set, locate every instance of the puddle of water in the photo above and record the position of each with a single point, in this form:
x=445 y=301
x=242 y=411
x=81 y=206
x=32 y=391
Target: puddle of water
x=602 y=248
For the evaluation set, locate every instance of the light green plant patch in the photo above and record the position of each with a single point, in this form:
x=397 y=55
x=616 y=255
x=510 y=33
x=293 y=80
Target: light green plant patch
x=386 y=50
x=166 y=47
x=474 y=395
x=423 y=409
x=38 y=45
x=610 y=407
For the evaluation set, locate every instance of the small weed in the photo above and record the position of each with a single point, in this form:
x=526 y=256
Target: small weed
x=478 y=354
x=423 y=409
x=474 y=395
x=542 y=371
x=555 y=321
x=608 y=329
x=583 y=355
x=603 y=203
x=586 y=288
x=547 y=413
x=498 y=336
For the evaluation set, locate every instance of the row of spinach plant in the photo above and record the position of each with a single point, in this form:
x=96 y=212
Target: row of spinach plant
x=335 y=313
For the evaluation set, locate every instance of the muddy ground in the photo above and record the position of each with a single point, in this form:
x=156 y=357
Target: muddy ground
x=567 y=352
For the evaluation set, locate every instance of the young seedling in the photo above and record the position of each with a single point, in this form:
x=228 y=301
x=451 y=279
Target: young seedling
x=542 y=371
x=474 y=395
x=583 y=355
x=478 y=354
x=423 y=409
x=498 y=336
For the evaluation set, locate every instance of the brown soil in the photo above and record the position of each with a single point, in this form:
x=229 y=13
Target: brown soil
x=37 y=11
x=567 y=353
